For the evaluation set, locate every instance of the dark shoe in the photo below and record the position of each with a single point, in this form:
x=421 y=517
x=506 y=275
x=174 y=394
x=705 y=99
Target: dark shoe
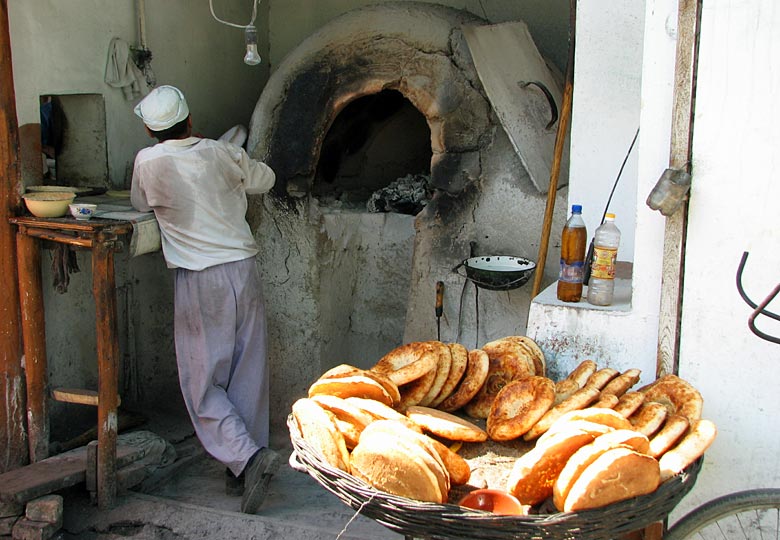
x=258 y=473
x=234 y=485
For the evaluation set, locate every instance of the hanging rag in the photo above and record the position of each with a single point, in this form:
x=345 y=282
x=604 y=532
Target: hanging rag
x=121 y=71
x=63 y=264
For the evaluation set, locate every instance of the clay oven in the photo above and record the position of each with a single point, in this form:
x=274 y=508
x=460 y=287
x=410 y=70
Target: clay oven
x=382 y=98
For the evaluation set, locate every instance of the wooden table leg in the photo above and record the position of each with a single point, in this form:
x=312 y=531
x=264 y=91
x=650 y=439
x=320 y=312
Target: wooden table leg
x=104 y=293
x=34 y=338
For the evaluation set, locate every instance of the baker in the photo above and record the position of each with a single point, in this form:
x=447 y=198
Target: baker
x=197 y=189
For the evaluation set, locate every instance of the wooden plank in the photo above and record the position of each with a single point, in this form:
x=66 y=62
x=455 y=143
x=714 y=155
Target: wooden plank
x=76 y=395
x=55 y=473
x=512 y=72
x=13 y=451
x=59 y=237
x=103 y=290
x=34 y=338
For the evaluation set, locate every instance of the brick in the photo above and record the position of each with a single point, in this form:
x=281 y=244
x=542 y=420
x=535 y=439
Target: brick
x=27 y=529
x=47 y=508
x=7 y=525
x=8 y=509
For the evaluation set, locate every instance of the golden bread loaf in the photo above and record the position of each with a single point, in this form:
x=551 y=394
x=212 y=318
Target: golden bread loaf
x=534 y=473
x=616 y=475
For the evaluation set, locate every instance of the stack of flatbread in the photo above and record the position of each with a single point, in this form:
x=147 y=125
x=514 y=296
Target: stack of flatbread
x=396 y=424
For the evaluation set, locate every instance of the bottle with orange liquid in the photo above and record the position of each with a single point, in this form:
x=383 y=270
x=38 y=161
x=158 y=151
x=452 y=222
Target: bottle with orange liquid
x=573 y=240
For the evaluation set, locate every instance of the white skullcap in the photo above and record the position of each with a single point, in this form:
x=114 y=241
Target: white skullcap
x=164 y=107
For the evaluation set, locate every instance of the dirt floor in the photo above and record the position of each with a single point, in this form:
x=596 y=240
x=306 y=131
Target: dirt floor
x=191 y=503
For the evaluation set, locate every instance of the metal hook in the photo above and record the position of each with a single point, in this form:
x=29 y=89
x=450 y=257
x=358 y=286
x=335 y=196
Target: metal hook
x=550 y=99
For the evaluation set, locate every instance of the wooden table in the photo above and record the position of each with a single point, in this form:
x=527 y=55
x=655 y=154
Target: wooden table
x=100 y=236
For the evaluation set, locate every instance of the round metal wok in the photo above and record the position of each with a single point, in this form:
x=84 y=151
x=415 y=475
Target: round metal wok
x=497 y=272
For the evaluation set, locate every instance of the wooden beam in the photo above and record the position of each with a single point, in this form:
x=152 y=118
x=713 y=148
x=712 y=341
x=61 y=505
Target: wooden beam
x=104 y=292
x=13 y=451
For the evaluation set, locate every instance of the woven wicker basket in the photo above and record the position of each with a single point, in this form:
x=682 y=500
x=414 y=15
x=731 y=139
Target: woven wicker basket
x=448 y=521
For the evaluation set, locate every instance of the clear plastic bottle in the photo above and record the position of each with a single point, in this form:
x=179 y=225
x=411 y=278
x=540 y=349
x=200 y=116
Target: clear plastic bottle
x=573 y=240
x=601 y=286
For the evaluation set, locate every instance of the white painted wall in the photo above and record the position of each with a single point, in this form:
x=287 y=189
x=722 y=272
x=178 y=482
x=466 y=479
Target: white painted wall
x=605 y=116
x=606 y=104
x=733 y=208
x=62 y=47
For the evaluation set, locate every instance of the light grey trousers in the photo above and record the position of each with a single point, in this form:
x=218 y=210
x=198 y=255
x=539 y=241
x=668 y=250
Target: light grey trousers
x=220 y=337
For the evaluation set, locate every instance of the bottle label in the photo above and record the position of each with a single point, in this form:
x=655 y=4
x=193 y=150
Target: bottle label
x=603 y=266
x=573 y=272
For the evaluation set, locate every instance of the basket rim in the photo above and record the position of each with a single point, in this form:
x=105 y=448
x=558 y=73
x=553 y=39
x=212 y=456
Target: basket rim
x=429 y=519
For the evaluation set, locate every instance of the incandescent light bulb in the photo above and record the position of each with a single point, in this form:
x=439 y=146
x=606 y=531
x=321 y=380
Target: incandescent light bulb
x=251 y=58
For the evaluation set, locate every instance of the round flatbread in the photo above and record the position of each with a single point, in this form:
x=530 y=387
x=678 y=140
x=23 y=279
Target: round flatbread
x=581 y=399
x=472 y=381
x=510 y=346
x=395 y=465
x=533 y=474
x=622 y=383
x=649 y=417
x=616 y=475
x=446 y=425
x=628 y=403
x=582 y=372
x=351 y=386
x=601 y=377
x=414 y=392
x=318 y=428
x=503 y=368
x=600 y=415
x=700 y=436
x=675 y=426
x=408 y=362
x=678 y=395
x=346 y=370
x=459 y=359
x=443 y=365
x=518 y=406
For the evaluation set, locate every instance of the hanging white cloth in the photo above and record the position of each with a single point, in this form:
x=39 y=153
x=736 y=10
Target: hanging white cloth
x=121 y=71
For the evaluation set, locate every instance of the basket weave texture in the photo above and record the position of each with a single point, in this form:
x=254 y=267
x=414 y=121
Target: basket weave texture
x=449 y=521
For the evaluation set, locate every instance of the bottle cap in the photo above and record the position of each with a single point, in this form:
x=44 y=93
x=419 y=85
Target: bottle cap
x=609 y=216
x=576 y=209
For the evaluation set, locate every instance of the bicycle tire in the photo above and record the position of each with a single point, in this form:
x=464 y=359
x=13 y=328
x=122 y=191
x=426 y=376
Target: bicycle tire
x=750 y=514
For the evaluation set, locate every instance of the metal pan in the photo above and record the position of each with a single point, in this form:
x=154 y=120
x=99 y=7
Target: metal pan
x=497 y=272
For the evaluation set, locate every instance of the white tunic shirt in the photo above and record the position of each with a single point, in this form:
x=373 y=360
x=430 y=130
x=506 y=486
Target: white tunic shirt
x=197 y=189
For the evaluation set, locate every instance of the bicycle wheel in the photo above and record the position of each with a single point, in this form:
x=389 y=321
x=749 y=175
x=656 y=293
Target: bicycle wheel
x=751 y=514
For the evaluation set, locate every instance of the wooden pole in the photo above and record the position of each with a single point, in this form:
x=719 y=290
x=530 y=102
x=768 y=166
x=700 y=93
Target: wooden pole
x=13 y=450
x=34 y=338
x=670 y=313
x=560 y=139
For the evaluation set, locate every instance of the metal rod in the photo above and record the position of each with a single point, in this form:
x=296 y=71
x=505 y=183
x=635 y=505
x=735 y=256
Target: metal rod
x=744 y=295
x=760 y=311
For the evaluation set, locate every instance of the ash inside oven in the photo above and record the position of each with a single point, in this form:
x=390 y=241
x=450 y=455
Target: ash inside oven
x=407 y=195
